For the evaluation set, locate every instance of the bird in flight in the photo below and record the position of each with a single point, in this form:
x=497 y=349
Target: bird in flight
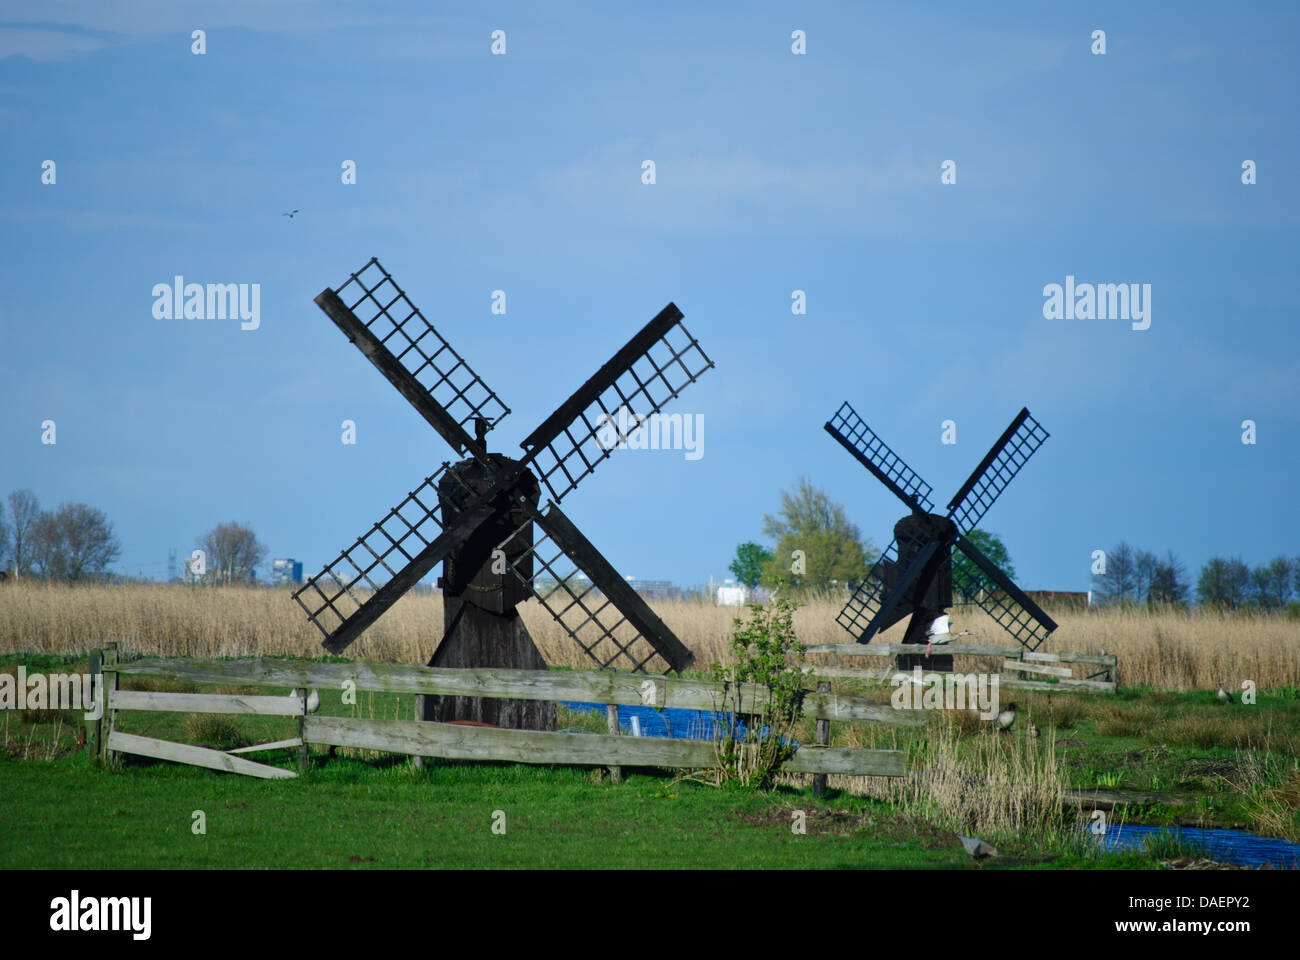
x=289 y=215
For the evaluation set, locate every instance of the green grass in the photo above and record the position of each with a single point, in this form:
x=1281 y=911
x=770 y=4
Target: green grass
x=364 y=809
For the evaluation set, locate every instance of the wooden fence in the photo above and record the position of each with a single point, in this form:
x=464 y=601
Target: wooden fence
x=1019 y=670
x=458 y=741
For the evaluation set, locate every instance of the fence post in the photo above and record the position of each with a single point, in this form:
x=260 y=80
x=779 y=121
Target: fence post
x=108 y=667
x=611 y=724
x=304 y=693
x=93 y=726
x=823 y=740
x=417 y=761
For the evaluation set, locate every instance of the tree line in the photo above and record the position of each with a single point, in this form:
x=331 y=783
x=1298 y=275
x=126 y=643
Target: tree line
x=76 y=542
x=1135 y=577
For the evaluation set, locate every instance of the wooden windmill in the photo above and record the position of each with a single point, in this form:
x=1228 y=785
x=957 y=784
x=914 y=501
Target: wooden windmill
x=915 y=574
x=479 y=517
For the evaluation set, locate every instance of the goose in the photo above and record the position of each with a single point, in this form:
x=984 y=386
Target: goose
x=1006 y=718
x=1223 y=695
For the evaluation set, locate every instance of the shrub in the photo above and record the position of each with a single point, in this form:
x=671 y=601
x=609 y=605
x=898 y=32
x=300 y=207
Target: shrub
x=762 y=649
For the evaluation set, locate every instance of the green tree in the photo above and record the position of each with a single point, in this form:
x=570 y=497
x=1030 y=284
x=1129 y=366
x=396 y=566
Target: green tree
x=967 y=578
x=817 y=548
x=749 y=562
x=1271 y=584
x=1223 y=583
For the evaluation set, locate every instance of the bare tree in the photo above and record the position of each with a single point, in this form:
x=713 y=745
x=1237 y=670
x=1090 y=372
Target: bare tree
x=4 y=542
x=1117 y=584
x=72 y=543
x=233 y=551
x=1169 y=586
x=26 y=510
x=1145 y=567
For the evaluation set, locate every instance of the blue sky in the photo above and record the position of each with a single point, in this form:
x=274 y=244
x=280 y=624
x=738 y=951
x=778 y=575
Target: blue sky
x=775 y=172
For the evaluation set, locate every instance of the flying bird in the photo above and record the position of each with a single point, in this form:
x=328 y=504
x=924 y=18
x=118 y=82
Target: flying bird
x=1006 y=718
x=289 y=214
x=1223 y=695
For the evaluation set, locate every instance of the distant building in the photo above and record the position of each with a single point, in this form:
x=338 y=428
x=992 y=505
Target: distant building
x=285 y=572
x=1061 y=599
x=730 y=596
x=660 y=590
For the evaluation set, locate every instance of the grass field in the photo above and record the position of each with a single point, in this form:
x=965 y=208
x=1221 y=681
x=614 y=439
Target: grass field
x=1163 y=734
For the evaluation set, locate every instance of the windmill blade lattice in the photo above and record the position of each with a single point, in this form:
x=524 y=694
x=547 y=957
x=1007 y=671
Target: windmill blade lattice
x=597 y=608
x=351 y=592
x=998 y=468
x=865 y=602
x=873 y=453
x=407 y=349
x=642 y=377
x=994 y=593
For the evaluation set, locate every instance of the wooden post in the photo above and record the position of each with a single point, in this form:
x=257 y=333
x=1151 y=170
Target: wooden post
x=823 y=740
x=109 y=720
x=611 y=724
x=417 y=762
x=94 y=727
x=302 y=730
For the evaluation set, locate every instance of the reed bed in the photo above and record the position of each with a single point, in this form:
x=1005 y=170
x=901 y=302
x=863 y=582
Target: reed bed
x=1171 y=650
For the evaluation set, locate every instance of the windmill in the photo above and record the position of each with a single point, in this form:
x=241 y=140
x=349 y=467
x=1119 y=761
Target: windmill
x=915 y=574
x=478 y=516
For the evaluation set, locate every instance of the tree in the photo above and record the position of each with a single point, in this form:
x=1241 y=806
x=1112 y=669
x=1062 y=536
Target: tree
x=1145 y=565
x=232 y=552
x=4 y=539
x=1169 y=584
x=749 y=562
x=74 y=542
x=1223 y=583
x=1118 y=583
x=967 y=578
x=817 y=547
x=26 y=510
x=1271 y=584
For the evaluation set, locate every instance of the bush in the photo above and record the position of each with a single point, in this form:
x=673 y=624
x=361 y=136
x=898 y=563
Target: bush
x=762 y=649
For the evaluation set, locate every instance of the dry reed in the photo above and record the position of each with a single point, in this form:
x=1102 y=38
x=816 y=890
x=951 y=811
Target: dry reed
x=1176 y=651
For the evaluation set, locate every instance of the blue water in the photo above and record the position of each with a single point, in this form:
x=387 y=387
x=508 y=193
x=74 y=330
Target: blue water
x=669 y=722
x=1225 y=846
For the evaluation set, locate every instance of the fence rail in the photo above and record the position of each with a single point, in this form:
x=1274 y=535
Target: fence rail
x=1016 y=667
x=456 y=741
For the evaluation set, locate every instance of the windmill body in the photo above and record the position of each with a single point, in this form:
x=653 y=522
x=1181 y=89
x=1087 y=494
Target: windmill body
x=481 y=516
x=915 y=575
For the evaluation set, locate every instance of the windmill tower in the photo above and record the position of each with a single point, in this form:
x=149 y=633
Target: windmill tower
x=915 y=574
x=480 y=517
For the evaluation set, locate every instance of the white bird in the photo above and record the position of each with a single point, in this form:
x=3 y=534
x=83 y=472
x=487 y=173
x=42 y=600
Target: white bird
x=977 y=848
x=1006 y=718
x=1223 y=695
